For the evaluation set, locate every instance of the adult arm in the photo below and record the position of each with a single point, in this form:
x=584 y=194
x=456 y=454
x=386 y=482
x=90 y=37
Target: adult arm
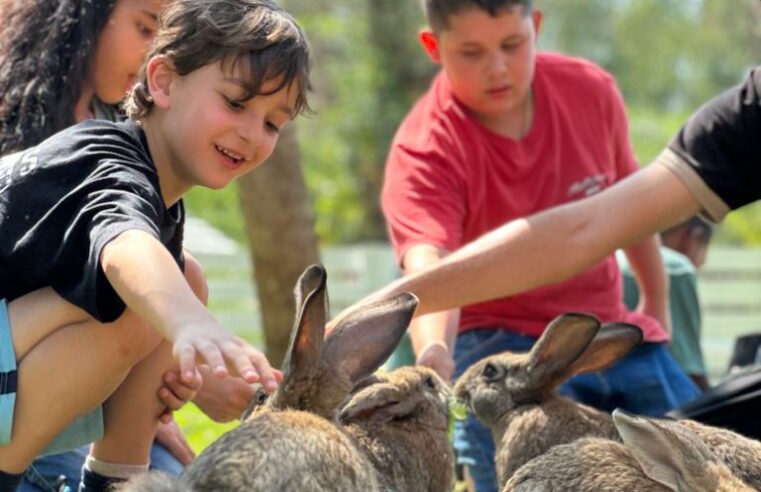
x=552 y=245
x=433 y=336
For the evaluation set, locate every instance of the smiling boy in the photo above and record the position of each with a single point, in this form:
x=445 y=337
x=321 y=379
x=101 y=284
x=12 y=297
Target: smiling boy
x=92 y=219
x=503 y=132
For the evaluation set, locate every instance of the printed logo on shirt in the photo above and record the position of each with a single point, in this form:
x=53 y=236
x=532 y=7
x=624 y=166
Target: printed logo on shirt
x=588 y=186
x=15 y=166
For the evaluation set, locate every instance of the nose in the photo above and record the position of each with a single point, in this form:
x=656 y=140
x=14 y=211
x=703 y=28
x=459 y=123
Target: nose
x=251 y=130
x=498 y=63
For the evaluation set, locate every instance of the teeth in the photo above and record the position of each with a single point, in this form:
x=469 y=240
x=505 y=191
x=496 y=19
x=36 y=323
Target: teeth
x=229 y=154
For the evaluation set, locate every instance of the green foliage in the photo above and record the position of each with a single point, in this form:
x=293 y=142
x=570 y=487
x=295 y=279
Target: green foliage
x=668 y=56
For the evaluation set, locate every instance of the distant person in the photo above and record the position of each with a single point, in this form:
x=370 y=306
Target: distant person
x=684 y=251
x=505 y=131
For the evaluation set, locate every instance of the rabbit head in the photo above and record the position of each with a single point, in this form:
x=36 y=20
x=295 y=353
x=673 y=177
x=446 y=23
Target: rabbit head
x=571 y=344
x=403 y=394
x=672 y=455
x=319 y=372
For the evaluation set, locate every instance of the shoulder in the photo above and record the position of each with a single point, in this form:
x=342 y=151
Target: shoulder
x=433 y=120
x=563 y=70
x=676 y=263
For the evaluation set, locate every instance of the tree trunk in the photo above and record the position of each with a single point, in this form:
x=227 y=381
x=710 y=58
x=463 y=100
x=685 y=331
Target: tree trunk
x=279 y=224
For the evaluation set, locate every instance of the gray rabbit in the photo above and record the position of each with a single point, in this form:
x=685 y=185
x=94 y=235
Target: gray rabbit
x=656 y=456
x=294 y=441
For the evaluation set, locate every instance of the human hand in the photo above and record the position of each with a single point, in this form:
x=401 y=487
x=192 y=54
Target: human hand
x=436 y=355
x=223 y=400
x=175 y=392
x=169 y=435
x=222 y=351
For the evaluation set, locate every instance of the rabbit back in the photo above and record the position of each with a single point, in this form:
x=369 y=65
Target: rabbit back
x=290 y=450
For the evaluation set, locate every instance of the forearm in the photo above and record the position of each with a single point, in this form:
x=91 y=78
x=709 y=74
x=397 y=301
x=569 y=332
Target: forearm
x=647 y=266
x=552 y=245
x=435 y=328
x=148 y=280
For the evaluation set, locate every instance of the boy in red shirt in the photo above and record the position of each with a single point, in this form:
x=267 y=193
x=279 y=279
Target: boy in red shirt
x=502 y=133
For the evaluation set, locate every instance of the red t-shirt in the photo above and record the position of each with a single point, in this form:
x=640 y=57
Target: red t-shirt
x=449 y=180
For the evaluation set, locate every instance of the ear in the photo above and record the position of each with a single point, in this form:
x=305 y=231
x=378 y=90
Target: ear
x=380 y=402
x=160 y=74
x=305 y=348
x=364 y=339
x=430 y=45
x=564 y=339
x=613 y=341
x=536 y=19
x=668 y=454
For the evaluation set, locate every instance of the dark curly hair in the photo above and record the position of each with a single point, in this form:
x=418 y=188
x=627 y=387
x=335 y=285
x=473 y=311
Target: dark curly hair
x=46 y=50
x=258 y=34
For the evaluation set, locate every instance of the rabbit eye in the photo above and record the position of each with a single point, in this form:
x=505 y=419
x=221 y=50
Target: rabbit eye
x=429 y=382
x=261 y=397
x=490 y=372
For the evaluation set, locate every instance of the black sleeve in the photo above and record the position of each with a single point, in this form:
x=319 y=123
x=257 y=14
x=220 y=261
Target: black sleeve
x=722 y=143
x=111 y=202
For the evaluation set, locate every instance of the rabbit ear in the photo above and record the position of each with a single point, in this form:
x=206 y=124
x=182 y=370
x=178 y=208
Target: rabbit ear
x=305 y=348
x=670 y=456
x=380 y=402
x=363 y=340
x=613 y=341
x=564 y=339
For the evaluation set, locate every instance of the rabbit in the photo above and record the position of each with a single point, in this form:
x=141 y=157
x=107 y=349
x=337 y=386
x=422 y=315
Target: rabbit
x=514 y=394
x=656 y=456
x=293 y=440
x=403 y=414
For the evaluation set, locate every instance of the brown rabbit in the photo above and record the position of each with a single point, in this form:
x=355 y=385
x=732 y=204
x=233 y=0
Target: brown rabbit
x=292 y=441
x=514 y=394
x=656 y=456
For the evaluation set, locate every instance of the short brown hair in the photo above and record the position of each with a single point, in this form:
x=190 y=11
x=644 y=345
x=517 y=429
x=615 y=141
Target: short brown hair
x=195 y=33
x=438 y=12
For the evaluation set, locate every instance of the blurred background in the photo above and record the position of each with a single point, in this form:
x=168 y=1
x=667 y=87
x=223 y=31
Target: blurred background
x=317 y=197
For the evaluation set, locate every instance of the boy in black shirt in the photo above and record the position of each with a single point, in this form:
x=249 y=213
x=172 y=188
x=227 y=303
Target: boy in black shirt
x=91 y=220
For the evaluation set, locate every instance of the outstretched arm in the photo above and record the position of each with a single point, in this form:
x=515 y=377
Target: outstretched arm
x=552 y=245
x=146 y=277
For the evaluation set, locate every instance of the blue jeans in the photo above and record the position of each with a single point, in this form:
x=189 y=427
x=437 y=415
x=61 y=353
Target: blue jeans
x=647 y=382
x=43 y=473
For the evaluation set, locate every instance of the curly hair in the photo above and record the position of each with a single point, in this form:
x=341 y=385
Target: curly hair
x=46 y=50
x=258 y=34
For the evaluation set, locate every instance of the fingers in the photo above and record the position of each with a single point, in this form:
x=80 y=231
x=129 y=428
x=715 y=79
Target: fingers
x=170 y=436
x=176 y=392
x=437 y=357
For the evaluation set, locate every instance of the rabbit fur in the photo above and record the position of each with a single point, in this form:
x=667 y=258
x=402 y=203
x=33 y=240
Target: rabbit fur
x=656 y=456
x=293 y=440
x=514 y=394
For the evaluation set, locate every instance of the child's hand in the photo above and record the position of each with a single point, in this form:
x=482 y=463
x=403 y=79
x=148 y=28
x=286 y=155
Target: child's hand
x=221 y=350
x=176 y=392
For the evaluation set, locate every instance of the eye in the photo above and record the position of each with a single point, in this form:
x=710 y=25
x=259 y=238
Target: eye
x=429 y=382
x=261 y=397
x=145 y=31
x=234 y=104
x=271 y=127
x=490 y=372
x=471 y=54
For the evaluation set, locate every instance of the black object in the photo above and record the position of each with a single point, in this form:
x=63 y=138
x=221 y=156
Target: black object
x=745 y=352
x=734 y=404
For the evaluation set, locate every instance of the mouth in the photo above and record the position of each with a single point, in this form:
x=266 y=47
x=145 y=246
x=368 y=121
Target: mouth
x=229 y=158
x=500 y=91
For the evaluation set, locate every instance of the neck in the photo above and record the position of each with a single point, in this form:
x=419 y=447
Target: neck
x=82 y=109
x=172 y=187
x=516 y=123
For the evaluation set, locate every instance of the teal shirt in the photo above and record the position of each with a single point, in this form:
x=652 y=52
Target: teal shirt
x=685 y=307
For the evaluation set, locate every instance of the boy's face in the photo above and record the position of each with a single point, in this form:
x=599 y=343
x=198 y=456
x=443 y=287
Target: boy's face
x=489 y=61
x=211 y=135
x=122 y=45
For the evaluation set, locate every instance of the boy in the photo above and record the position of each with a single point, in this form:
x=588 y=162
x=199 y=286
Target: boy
x=504 y=132
x=92 y=219
x=684 y=251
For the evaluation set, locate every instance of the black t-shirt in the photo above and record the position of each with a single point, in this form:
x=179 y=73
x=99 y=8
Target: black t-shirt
x=63 y=200
x=721 y=142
